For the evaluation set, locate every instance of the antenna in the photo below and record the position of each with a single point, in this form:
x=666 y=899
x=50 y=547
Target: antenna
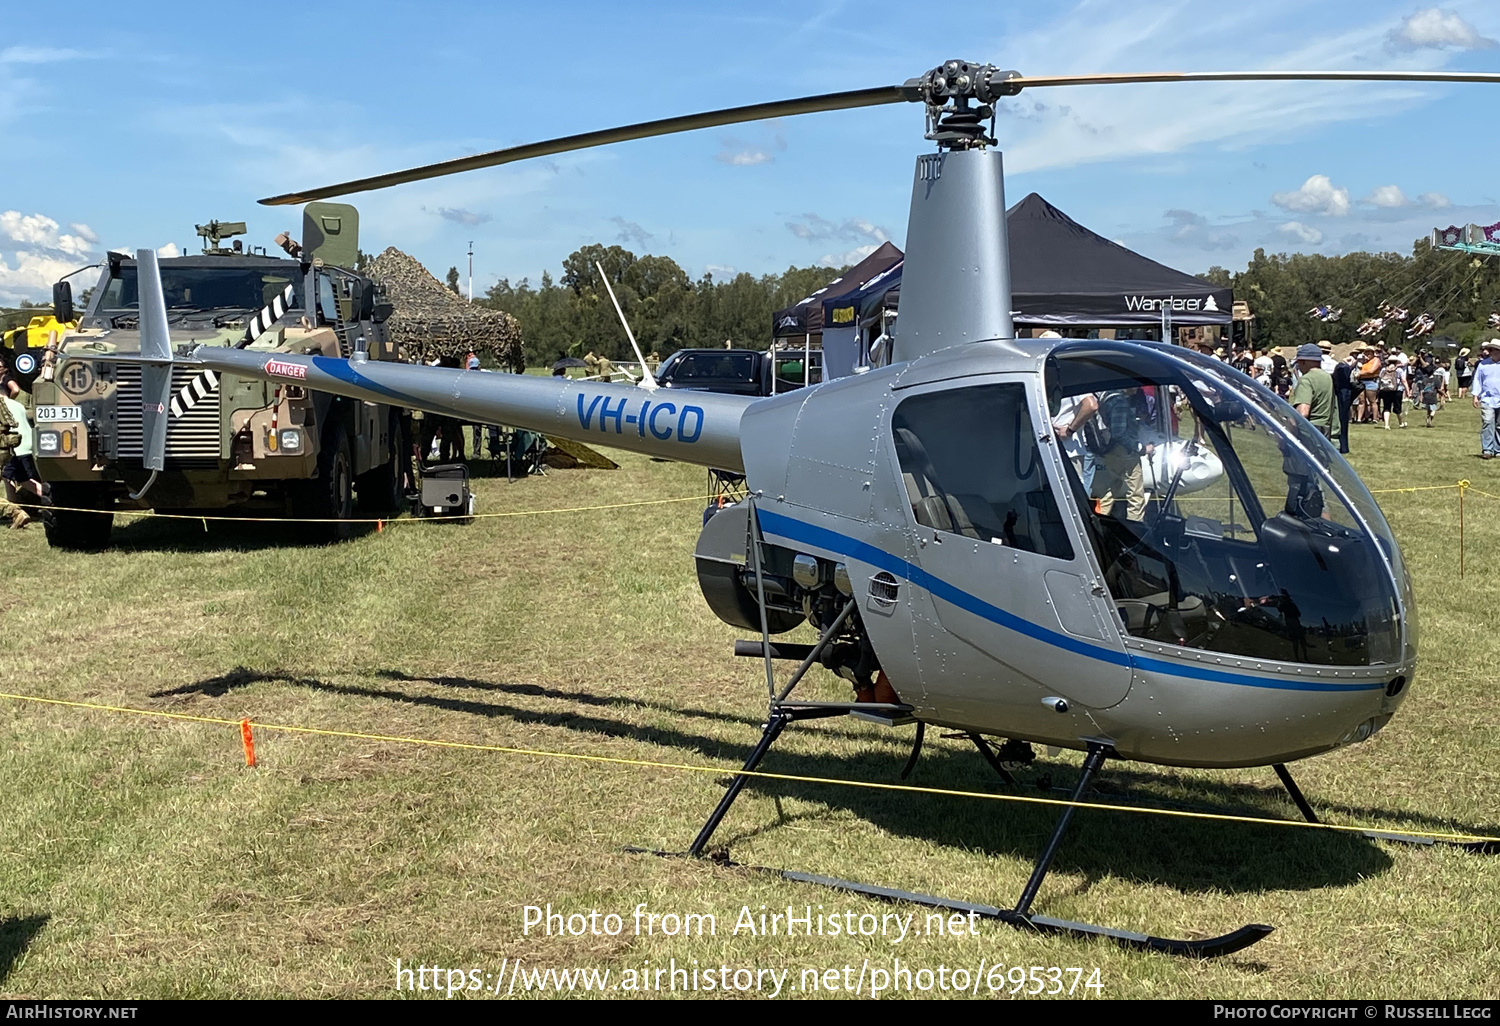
x=648 y=380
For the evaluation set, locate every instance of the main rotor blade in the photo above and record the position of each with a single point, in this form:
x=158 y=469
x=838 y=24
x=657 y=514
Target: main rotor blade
x=1124 y=78
x=1002 y=83
x=645 y=130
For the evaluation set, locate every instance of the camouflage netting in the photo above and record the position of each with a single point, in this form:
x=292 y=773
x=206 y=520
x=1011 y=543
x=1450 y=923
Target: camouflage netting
x=430 y=321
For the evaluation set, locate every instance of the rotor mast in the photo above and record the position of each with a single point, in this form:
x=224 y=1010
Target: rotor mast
x=956 y=284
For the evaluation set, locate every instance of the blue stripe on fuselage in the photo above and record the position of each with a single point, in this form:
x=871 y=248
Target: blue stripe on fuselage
x=343 y=370
x=833 y=541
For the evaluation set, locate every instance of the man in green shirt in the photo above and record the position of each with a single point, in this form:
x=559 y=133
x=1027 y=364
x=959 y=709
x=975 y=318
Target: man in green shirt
x=1313 y=396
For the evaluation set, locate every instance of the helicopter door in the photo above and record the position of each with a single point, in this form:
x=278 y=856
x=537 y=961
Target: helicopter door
x=1000 y=568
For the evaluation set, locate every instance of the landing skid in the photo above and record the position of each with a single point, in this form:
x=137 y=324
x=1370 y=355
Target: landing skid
x=1478 y=847
x=783 y=714
x=1212 y=947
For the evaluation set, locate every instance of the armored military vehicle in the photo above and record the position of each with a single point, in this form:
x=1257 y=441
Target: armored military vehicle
x=232 y=444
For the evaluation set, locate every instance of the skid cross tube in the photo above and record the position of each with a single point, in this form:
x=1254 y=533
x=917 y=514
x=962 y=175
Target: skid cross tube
x=1296 y=793
x=779 y=714
x=1091 y=764
x=776 y=722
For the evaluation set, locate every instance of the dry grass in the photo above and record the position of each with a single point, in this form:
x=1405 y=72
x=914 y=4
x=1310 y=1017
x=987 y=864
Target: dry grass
x=141 y=858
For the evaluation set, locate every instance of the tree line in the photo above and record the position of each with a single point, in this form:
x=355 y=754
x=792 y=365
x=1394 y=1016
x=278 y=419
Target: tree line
x=667 y=310
x=1459 y=291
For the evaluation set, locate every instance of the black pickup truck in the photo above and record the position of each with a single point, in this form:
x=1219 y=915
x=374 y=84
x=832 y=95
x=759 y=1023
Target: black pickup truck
x=738 y=371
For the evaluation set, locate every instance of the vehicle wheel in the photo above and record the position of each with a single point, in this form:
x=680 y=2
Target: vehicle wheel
x=382 y=490
x=86 y=531
x=330 y=496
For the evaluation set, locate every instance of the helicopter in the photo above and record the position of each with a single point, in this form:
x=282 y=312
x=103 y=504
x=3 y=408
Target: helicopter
x=967 y=525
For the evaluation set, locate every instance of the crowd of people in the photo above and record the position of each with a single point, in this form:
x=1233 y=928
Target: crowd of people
x=1379 y=386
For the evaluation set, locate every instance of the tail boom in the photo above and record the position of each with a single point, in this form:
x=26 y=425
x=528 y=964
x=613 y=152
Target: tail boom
x=693 y=427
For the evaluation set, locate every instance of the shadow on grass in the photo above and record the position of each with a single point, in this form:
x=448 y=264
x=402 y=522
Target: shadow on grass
x=16 y=935
x=241 y=677
x=173 y=534
x=1185 y=854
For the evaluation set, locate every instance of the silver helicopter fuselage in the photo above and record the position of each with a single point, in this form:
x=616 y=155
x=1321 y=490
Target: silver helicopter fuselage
x=992 y=631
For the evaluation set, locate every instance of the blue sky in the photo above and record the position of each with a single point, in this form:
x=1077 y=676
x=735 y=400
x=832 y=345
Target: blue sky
x=123 y=126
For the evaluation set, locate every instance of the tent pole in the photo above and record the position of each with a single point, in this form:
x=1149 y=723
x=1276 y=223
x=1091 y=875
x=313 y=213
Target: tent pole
x=806 y=359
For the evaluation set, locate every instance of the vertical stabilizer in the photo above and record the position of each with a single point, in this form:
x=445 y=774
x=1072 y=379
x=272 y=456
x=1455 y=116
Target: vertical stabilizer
x=955 y=286
x=156 y=362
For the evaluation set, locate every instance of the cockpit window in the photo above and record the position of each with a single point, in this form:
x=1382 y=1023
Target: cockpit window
x=1343 y=475
x=1215 y=531
x=971 y=465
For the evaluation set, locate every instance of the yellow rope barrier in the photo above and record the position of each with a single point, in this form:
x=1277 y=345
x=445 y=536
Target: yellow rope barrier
x=368 y=520
x=758 y=774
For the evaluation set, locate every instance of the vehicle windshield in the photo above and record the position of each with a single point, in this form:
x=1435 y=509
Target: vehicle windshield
x=202 y=288
x=1214 y=530
x=729 y=365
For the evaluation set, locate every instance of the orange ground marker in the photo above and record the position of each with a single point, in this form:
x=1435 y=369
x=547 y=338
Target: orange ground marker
x=249 y=740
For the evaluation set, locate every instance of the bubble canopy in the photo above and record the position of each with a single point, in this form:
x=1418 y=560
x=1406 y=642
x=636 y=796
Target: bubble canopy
x=1222 y=520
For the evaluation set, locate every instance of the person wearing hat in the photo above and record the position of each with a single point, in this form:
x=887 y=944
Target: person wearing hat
x=1392 y=390
x=1464 y=371
x=1486 y=395
x=1368 y=377
x=1313 y=396
x=1329 y=363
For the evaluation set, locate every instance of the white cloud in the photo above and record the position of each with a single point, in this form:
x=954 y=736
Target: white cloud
x=852 y=256
x=632 y=232
x=37 y=55
x=1437 y=29
x=32 y=276
x=41 y=231
x=1387 y=196
x=737 y=153
x=743 y=158
x=169 y=250
x=1433 y=201
x=1302 y=232
x=458 y=215
x=1193 y=229
x=719 y=270
x=42 y=254
x=1053 y=128
x=815 y=228
x=1318 y=195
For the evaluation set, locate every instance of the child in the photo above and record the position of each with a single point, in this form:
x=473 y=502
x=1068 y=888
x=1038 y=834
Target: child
x=1424 y=391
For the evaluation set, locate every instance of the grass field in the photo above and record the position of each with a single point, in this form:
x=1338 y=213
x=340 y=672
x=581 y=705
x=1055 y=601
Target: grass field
x=139 y=857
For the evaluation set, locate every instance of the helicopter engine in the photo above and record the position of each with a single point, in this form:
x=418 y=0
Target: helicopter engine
x=798 y=587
